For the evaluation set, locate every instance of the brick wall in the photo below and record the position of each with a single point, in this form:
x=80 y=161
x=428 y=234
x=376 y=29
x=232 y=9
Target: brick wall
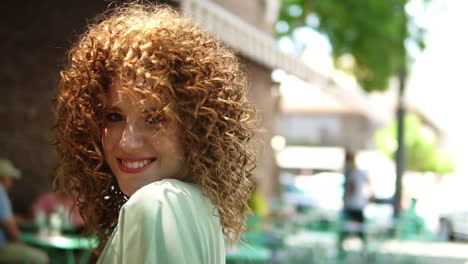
x=263 y=96
x=35 y=37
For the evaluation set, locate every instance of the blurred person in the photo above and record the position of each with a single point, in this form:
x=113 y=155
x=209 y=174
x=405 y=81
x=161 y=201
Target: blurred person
x=259 y=206
x=11 y=249
x=153 y=130
x=357 y=195
x=258 y=202
x=51 y=202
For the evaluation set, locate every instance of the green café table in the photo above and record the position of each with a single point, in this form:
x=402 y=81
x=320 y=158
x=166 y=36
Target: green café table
x=65 y=243
x=245 y=253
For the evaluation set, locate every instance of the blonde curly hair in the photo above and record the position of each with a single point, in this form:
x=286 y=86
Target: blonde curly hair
x=154 y=47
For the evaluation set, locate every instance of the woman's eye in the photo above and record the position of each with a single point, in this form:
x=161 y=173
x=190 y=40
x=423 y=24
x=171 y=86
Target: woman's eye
x=114 y=117
x=154 y=120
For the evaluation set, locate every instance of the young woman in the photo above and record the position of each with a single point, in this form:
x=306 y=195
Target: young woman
x=153 y=130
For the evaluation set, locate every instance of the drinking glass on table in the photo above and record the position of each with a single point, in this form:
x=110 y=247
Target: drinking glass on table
x=40 y=219
x=55 y=223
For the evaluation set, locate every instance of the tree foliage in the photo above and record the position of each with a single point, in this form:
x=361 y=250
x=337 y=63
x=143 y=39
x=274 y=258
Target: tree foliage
x=422 y=153
x=374 y=32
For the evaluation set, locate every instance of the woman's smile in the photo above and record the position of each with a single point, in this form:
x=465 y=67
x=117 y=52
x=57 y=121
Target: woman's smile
x=134 y=165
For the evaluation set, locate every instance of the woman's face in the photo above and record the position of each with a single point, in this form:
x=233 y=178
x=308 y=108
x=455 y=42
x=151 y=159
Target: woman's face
x=140 y=147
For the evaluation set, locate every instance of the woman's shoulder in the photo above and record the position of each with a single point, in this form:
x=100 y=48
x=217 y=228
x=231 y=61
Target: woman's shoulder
x=167 y=191
x=160 y=189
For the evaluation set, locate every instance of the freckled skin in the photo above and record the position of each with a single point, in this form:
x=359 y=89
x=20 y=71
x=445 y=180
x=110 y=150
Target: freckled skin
x=128 y=134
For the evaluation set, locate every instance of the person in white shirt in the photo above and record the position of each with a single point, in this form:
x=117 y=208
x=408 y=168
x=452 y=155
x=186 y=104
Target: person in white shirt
x=357 y=195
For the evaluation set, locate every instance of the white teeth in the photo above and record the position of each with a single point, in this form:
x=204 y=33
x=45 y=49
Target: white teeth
x=135 y=164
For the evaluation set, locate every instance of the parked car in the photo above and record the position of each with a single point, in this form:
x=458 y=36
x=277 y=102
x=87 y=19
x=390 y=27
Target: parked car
x=453 y=226
x=452 y=209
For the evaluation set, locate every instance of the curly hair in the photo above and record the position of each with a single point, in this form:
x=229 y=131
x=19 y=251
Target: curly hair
x=155 y=47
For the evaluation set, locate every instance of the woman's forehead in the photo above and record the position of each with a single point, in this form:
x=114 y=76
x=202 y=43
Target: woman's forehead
x=139 y=97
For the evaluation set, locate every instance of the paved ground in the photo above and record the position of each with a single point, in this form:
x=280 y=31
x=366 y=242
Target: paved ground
x=321 y=248
x=415 y=252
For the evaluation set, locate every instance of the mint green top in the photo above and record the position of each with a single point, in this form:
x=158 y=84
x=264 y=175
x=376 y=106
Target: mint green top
x=166 y=222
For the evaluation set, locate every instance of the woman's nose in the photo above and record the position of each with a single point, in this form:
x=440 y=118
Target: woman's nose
x=131 y=139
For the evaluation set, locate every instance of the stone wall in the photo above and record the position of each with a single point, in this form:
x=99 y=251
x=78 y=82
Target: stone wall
x=262 y=91
x=260 y=13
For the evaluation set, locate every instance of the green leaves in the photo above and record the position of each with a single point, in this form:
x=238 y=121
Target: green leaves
x=422 y=153
x=373 y=32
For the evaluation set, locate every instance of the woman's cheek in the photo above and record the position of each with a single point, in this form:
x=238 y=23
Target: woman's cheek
x=110 y=137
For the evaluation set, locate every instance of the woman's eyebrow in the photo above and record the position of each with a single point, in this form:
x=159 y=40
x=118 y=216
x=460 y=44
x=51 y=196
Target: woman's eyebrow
x=114 y=107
